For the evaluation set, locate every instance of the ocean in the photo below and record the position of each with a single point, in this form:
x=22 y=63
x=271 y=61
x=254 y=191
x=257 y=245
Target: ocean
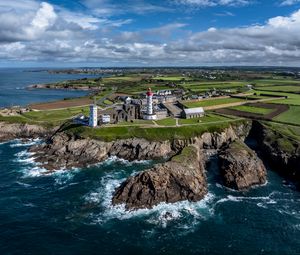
x=70 y=212
x=14 y=83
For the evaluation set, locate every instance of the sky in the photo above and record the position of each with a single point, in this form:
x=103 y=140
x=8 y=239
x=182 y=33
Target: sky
x=107 y=33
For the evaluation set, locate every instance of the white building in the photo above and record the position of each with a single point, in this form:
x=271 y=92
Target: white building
x=93 y=116
x=105 y=118
x=149 y=115
x=193 y=113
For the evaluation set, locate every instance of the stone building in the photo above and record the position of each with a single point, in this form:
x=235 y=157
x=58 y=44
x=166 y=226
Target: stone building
x=125 y=112
x=192 y=113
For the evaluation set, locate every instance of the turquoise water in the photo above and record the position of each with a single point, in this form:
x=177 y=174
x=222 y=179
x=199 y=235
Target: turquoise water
x=69 y=212
x=13 y=83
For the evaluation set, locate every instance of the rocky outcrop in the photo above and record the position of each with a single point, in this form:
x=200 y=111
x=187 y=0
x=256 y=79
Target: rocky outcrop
x=281 y=152
x=240 y=166
x=66 y=151
x=181 y=178
x=9 y=131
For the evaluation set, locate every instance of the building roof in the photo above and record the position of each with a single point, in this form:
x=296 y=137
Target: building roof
x=196 y=110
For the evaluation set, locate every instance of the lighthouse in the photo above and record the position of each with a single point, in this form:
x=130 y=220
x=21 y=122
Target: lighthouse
x=149 y=115
x=93 y=116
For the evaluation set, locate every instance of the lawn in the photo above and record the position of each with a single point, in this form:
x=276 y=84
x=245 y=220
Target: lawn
x=206 y=119
x=166 y=122
x=252 y=109
x=151 y=134
x=55 y=115
x=212 y=102
x=107 y=102
x=291 y=116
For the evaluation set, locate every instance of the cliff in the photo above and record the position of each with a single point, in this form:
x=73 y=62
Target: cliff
x=280 y=151
x=240 y=166
x=9 y=131
x=181 y=178
x=65 y=151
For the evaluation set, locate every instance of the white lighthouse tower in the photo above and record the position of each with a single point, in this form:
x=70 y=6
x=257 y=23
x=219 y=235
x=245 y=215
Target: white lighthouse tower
x=149 y=113
x=93 y=116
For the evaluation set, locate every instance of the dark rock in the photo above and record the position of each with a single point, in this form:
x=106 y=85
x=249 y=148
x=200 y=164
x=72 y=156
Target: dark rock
x=181 y=178
x=281 y=152
x=9 y=131
x=240 y=166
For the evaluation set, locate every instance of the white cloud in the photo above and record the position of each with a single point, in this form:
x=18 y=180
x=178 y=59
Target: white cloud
x=289 y=2
x=45 y=32
x=211 y=3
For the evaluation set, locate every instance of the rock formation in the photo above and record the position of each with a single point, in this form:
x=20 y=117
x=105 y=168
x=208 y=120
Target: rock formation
x=181 y=178
x=240 y=166
x=65 y=151
x=9 y=131
x=281 y=152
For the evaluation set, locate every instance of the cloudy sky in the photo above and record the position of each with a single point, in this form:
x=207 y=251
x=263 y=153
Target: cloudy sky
x=149 y=32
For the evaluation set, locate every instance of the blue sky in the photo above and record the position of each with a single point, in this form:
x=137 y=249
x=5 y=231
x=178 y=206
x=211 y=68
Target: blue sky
x=149 y=33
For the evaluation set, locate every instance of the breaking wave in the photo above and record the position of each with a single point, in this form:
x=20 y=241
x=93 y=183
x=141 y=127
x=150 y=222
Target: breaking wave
x=22 y=143
x=160 y=215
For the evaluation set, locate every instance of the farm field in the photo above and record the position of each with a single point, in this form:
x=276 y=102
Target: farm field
x=293 y=99
x=291 y=116
x=272 y=82
x=203 y=86
x=212 y=102
x=286 y=88
x=252 y=109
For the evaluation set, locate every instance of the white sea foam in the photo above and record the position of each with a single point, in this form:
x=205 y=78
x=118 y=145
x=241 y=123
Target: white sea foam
x=262 y=200
x=63 y=176
x=22 y=143
x=26 y=185
x=160 y=215
x=114 y=159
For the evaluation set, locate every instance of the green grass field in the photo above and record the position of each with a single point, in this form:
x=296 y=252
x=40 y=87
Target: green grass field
x=209 y=117
x=290 y=131
x=252 y=109
x=166 y=122
x=55 y=115
x=291 y=116
x=293 y=99
x=271 y=82
x=212 y=102
x=204 y=86
x=151 y=134
x=281 y=88
x=171 y=78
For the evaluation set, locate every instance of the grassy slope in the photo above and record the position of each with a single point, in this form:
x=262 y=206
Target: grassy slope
x=151 y=134
x=291 y=116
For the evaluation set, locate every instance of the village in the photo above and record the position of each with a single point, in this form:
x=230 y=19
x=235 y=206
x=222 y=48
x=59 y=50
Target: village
x=150 y=106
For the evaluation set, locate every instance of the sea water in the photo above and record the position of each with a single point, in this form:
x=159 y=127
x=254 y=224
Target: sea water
x=70 y=212
x=14 y=83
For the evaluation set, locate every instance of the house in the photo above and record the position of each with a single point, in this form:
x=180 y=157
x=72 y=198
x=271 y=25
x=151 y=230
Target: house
x=191 y=113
